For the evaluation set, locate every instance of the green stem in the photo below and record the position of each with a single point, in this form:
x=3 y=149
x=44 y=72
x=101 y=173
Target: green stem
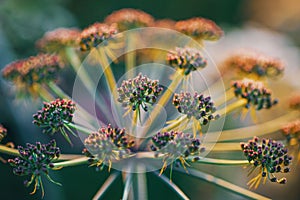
x=61 y=94
x=85 y=79
x=104 y=187
x=45 y=95
x=224 y=184
x=127 y=186
x=172 y=185
x=108 y=73
x=140 y=183
x=255 y=130
x=73 y=162
x=80 y=128
x=163 y=100
x=8 y=151
x=231 y=107
x=214 y=161
x=130 y=56
x=15 y=152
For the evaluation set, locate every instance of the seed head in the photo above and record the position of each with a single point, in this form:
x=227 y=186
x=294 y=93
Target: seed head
x=292 y=130
x=107 y=145
x=188 y=59
x=55 y=116
x=254 y=92
x=251 y=62
x=269 y=156
x=138 y=92
x=199 y=28
x=35 y=160
x=54 y=41
x=129 y=19
x=96 y=34
x=33 y=70
x=165 y=23
x=175 y=146
x=295 y=102
x=196 y=105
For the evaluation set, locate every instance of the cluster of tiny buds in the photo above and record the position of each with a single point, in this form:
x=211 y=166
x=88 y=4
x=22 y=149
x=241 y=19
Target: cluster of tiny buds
x=138 y=92
x=35 y=69
x=254 y=92
x=200 y=28
x=270 y=156
x=129 y=19
x=187 y=59
x=251 y=62
x=175 y=144
x=55 y=115
x=196 y=105
x=294 y=102
x=35 y=159
x=106 y=145
x=3 y=132
x=52 y=41
x=96 y=34
x=292 y=130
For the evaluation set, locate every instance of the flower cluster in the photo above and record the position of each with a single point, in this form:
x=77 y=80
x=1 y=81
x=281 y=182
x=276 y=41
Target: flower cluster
x=129 y=19
x=138 y=92
x=3 y=132
x=254 y=92
x=175 y=146
x=106 y=145
x=292 y=130
x=200 y=28
x=269 y=157
x=55 y=116
x=35 y=160
x=96 y=34
x=188 y=59
x=250 y=62
x=294 y=102
x=197 y=106
x=53 y=41
x=33 y=70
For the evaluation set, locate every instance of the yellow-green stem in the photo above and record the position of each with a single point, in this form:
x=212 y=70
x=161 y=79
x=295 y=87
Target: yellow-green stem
x=163 y=100
x=130 y=56
x=231 y=107
x=73 y=162
x=85 y=79
x=108 y=73
x=256 y=130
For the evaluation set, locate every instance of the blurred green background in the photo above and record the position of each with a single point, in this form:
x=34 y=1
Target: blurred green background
x=22 y=22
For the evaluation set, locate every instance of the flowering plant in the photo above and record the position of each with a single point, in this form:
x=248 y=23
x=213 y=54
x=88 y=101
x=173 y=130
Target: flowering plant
x=154 y=117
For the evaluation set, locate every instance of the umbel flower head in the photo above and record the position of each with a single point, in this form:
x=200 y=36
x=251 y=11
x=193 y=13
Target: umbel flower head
x=255 y=63
x=129 y=19
x=292 y=131
x=3 y=132
x=35 y=161
x=55 y=116
x=294 y=102
x=35 y=70
x=187 y=59
x=96 y=34
x=138 y=92
x=54 y=41
x=195 y=105
x=254 y=92
x=175 y=146
x=199 y=28
x=269 y=157
x=106 y=145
